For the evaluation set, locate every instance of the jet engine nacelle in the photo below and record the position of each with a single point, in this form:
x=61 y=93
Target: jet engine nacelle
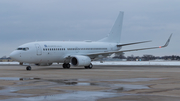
x=43 y=64
x=80 y=61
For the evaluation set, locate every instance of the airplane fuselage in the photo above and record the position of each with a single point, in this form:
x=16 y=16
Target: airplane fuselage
x=56 y=51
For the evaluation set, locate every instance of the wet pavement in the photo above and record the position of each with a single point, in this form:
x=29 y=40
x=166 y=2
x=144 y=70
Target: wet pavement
x=102 y=83
x=102 y=88
x=74 y=96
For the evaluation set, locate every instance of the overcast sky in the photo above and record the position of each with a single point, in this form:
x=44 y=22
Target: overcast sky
x=23 y=21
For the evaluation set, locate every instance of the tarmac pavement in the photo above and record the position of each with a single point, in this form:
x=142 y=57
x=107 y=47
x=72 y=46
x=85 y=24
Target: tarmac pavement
x=102 y=83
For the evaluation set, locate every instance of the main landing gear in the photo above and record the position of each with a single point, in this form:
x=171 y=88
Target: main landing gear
x=28 y=68
x=88 y=67
x=66 y=65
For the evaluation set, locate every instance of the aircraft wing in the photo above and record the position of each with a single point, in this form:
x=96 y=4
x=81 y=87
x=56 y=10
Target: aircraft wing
x=119 y=45
x=111 y=52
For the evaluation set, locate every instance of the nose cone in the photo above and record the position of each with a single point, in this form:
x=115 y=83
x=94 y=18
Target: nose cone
x=14 y=55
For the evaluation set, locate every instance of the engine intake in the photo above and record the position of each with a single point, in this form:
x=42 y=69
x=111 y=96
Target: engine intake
x=80 y=61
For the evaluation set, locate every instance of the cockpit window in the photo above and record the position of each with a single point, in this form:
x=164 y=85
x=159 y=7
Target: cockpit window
x=25 y=49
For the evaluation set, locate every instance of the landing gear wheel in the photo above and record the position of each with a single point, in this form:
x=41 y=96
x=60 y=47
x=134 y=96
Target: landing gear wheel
x=88 y=67
x=66 y=65
x=28 y=68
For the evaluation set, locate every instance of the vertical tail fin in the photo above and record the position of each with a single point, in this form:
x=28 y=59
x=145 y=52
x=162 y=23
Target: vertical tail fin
x=115 y=33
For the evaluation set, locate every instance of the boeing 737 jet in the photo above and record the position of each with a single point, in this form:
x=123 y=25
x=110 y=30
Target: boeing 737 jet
x=79 y=53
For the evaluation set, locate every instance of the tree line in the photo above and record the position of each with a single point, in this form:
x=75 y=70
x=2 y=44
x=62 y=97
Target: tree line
x=147 y=57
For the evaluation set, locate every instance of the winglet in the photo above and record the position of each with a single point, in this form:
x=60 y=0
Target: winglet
x=166 y=42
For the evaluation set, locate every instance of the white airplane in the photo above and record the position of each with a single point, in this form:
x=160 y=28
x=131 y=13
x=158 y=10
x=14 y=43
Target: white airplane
x=72 y=52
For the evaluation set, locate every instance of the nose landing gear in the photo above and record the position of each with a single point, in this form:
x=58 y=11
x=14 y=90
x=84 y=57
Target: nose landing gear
x=28 y=68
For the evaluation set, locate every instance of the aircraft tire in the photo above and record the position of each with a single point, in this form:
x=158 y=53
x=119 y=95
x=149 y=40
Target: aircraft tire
x=28 y=68
x=66 y=65
x=88 y=67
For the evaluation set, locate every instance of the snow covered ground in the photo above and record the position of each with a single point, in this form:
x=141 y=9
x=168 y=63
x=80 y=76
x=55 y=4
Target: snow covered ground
x=9 y=63
x=158 y=63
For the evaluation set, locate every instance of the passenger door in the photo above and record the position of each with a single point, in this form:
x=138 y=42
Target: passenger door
x=38 y=49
